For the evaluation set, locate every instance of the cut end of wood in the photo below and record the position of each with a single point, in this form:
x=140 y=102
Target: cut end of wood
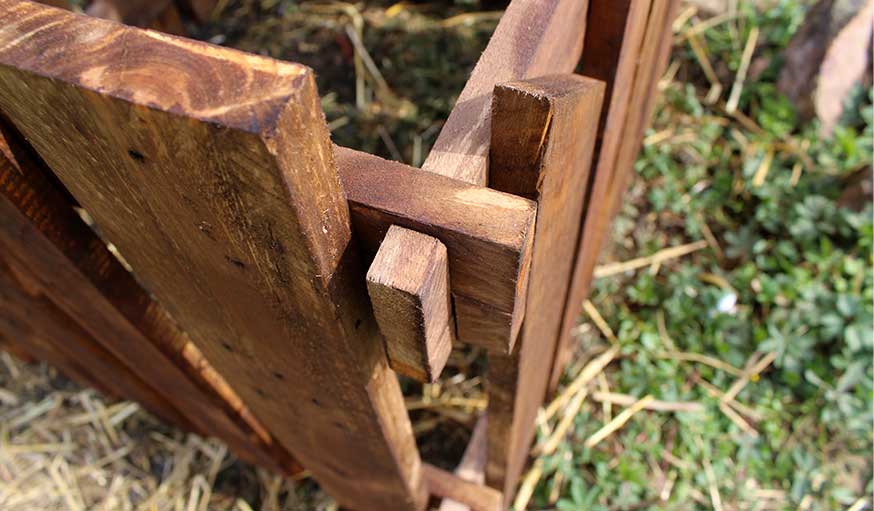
x=148 y=68
x=408 y=283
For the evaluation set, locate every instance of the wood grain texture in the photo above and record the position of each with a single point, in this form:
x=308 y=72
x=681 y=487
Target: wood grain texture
x=613 y=54
x=472 y=467
x=225 y=201
x=543 y=137
x=412 y=307
x=533 y=38
x=70 y=269
x=447 y=485
x=487 y=236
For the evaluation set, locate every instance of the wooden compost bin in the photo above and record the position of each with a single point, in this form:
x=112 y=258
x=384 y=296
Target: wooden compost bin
x=272 y=282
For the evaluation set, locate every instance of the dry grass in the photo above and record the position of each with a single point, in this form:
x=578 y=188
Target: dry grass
x=68 y=448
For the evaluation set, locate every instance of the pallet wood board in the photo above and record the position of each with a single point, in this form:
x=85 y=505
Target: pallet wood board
x=543 y=136
x=226 y=203
x=533 y=38
x=413 y=308
x=487 y=235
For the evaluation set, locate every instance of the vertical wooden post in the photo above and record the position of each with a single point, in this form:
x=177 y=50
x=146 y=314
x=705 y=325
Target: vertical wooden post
x=628 y=50
x=225 y=201
x=543 y=135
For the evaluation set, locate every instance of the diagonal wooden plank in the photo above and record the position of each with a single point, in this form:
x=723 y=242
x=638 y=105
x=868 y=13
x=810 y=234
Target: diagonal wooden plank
x=543 y=136
x=225 y=201
x=115 y=328
x=533 y=38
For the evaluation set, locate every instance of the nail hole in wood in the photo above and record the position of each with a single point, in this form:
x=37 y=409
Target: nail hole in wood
x=136 y=155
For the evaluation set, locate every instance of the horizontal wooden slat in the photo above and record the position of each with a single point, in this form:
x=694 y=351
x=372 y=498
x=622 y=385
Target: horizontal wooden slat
x=487 y=236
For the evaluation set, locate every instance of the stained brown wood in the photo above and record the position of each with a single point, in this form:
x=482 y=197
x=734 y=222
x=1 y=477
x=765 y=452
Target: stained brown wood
x=543 y=136
x=487 y=236
x=472 y=467
x=412 y=307
x=613 y=54
x=67 y=263
x=476 y=497
x=225 y=201
x=35 y=323
x=533 y=38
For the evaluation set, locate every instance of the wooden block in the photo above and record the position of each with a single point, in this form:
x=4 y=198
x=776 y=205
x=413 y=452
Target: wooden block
x=447 y=485
x=487 y=236
x=533 y=38
x=412 y=307
x=71 y=274
x=543 y=136
x=226 y=203
x=629 y=52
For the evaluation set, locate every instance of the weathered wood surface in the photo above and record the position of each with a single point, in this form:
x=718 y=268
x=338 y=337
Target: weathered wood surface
x=543 y=137
x=413 y=308
x=533 y=38
x=472 y=467
x=612 y=53
x=487 y=236
x=72 y=274
x=476 y=497
x=225 y=201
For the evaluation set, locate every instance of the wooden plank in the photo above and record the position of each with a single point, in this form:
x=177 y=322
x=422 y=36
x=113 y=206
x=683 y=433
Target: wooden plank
x=612 y=54
x=473 y=464
x=33 y=321
x=487 y=236
x=412 y=307
x=477 y=497
x=543 y=136
x=45 y=238
x=533 y=38
x=225 y=202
